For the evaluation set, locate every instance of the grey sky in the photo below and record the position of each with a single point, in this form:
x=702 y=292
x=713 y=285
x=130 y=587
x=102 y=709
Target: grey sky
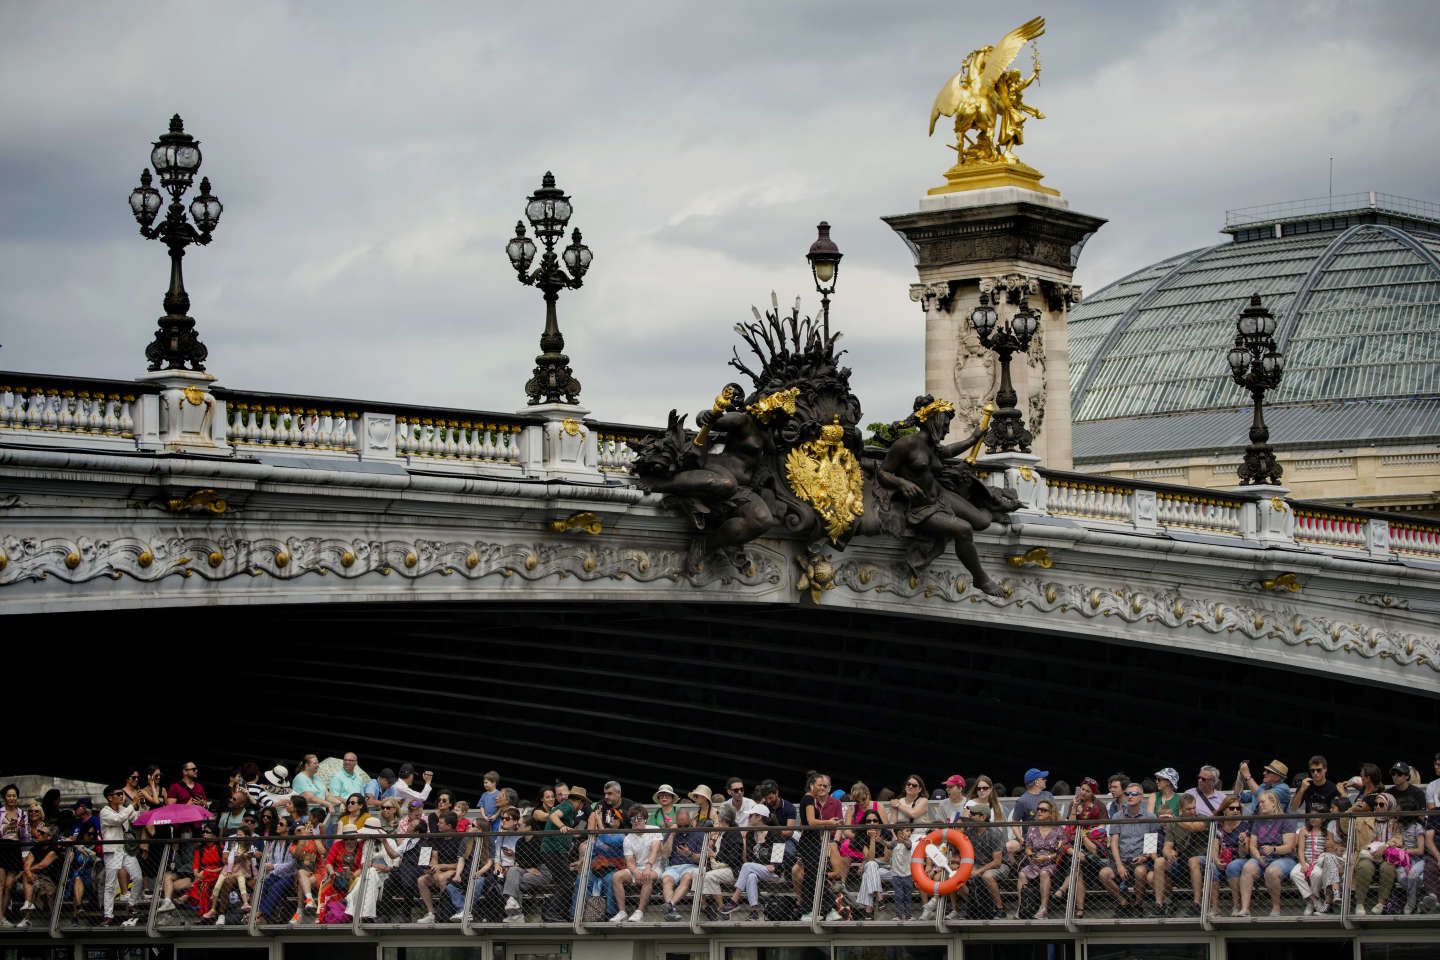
x=373 y=159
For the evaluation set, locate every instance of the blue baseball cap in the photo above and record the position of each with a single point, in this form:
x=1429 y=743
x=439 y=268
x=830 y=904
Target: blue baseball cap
x=838 y=794
x=1034 y=774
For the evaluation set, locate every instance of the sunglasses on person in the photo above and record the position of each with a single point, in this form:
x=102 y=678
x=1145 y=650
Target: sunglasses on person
x=1044 y=808
x=912 y=783
x=983 y=788
x=638 y=818
x=1132 y=793
x=352 y=803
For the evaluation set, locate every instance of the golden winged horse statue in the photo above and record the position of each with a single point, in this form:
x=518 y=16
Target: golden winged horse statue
x=984 y=97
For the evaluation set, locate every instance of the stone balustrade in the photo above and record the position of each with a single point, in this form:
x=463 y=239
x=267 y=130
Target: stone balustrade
x=80 y=413
x=66 y=405
x=1088 y=499
x=1328 y=528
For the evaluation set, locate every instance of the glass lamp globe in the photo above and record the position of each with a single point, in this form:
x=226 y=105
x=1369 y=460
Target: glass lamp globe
x=145 y=200
x=205 y=209
x=577 y=256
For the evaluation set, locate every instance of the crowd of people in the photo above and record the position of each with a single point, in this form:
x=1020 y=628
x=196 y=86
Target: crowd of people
x=1147 y=844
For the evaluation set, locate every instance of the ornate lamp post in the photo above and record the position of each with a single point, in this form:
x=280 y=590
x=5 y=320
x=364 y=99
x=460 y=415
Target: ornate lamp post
x=1256 y=365
x=824 y=259
x=548 y=210
x=1007 y=427
x=176 y=159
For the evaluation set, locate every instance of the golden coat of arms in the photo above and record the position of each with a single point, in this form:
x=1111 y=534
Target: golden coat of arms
x=826 y=475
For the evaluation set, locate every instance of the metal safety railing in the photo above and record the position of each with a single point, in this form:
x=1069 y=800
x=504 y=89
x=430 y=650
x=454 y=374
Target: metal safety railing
x=1342 y=869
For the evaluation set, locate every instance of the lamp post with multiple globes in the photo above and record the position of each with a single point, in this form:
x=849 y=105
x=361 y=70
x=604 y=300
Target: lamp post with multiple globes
x=1256 y=364
x=1007 y=427
x=548 y=210
x=176 y=159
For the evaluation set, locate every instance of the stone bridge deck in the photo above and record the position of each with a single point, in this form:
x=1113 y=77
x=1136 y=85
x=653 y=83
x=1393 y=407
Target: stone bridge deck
x=296 y=499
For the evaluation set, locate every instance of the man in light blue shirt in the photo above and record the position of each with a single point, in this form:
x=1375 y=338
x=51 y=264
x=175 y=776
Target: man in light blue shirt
x=346 y=781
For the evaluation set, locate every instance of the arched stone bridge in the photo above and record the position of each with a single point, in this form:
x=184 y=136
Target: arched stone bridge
x=290 y=499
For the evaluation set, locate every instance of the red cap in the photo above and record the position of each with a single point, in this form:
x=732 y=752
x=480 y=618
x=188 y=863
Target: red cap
x=956 y=781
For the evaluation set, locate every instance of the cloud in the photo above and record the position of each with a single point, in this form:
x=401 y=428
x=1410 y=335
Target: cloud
x=373 y=159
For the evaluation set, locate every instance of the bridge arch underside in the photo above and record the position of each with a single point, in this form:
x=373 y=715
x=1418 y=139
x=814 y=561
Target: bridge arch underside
x=683 y=693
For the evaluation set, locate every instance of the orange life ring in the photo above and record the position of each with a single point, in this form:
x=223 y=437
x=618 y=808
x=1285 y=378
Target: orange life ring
x=919 y=859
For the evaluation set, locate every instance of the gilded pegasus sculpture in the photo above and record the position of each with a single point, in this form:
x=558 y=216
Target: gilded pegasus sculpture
x=986 y=99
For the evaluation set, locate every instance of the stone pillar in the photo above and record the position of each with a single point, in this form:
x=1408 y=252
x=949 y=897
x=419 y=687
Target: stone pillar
x=563 y=447
x=1008 y=239
x=184 y=417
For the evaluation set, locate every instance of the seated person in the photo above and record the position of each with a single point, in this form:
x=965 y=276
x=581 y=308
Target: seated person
x=682 y=854
x=642 y=852
x=442 y=862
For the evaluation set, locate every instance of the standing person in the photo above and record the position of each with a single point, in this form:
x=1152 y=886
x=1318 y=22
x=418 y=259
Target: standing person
x=818 y=811
x=405 y=784
x=489 y=802
x=1317 y=792
x=115 y=821
x=188 y=789
x=14 y=833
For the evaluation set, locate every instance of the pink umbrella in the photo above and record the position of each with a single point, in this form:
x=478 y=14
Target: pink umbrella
x=172 y=815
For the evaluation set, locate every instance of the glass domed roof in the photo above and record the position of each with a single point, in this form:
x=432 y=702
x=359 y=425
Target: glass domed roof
x=1356 y=295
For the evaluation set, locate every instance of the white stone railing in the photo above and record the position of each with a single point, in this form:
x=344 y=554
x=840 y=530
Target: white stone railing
x=616 y=450
x=68 y=407
x=1199 y=510
x=1089 y=499
x=1414 y=539
x=439 y=438
x=281 y=425
x=1330 y=529
x=79 y=413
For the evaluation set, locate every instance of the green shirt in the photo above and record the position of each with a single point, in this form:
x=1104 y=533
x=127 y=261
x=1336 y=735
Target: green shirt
x=554 y=842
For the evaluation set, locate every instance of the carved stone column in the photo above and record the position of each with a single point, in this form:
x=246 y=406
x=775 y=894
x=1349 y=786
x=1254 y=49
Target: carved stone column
x=1001 y=238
